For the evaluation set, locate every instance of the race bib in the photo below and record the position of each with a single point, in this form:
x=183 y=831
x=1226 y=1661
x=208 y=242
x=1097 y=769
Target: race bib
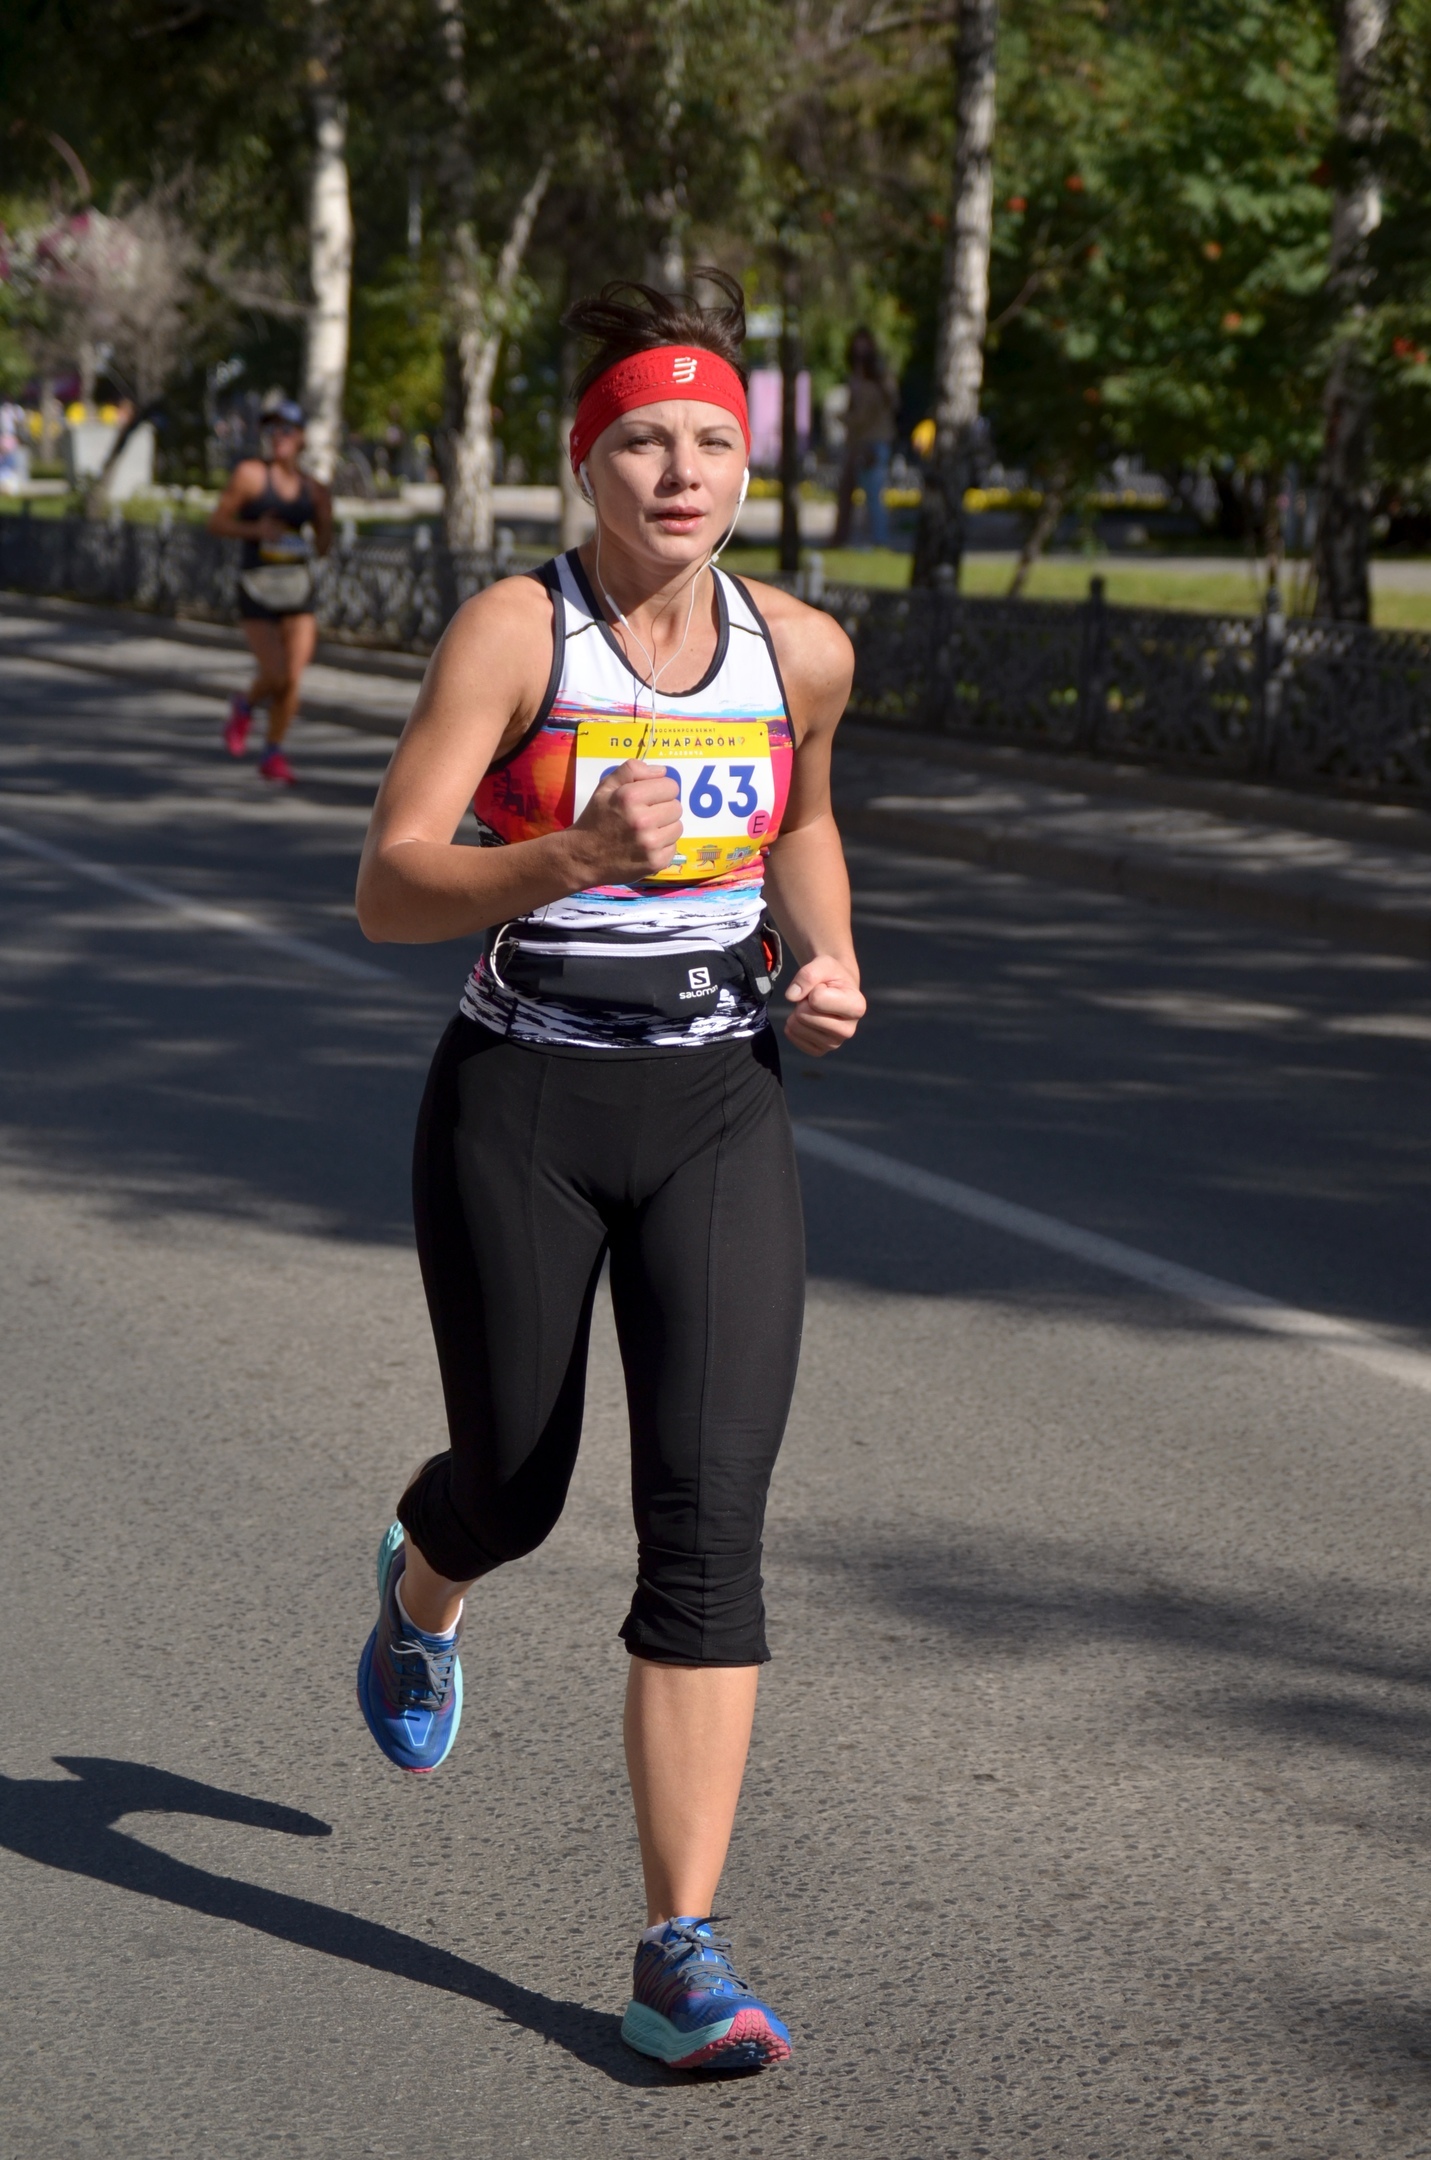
x=723 y=770
x=290 y=548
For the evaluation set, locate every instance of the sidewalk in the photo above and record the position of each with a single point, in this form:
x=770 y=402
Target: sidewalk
x=366 y=690
x=1356 y=872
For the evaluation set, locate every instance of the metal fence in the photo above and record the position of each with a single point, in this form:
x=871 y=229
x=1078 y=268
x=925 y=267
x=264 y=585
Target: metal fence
x=388 y=592
x=1260 y=696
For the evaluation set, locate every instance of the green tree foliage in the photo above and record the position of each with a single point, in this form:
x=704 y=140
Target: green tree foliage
x=1164 y=180
x=1161 y=239
x=395 y=370
x=1398 y=330
x=151 y=89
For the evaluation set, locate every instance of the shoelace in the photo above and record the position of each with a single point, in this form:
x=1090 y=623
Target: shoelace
x=423 y=1676
x=711 y=1954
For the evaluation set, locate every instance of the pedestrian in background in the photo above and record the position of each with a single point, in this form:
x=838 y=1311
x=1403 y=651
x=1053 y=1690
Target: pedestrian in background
x=272 y=505
x=869 y=439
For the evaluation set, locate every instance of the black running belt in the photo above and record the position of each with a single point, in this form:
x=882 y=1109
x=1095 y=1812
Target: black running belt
x=679 y=986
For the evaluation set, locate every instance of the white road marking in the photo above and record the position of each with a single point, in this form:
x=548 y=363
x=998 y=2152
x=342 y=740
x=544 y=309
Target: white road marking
x=1243 y=1308
x=1397 y=1026
x=195 y=911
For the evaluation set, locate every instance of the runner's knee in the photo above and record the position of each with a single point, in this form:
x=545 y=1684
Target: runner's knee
x=464 y=1531
x=697 y=1608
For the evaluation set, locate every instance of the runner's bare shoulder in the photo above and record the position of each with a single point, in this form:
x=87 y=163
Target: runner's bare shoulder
x=510 y=609
x=496 y=653
x=816 y=658
x=249 y=477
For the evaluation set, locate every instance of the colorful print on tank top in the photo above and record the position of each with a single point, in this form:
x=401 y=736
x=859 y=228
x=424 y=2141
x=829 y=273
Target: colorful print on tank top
x=730 y=746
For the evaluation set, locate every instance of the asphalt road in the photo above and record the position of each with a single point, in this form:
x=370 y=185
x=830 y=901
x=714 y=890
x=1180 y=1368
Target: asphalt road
x=1088 y=1807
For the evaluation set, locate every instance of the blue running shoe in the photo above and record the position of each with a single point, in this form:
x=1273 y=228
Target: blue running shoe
x=690 y=2008
x=409 y=1684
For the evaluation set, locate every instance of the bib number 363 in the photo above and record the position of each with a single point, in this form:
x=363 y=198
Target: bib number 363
x=726 y=781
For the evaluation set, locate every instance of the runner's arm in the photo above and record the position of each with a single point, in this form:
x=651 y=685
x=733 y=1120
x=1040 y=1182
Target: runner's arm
x=247 y=479
x=322 y=517
x=483 y=689
x=805 y=875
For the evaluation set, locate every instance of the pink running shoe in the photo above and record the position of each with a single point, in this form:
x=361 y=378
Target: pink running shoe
x=236 y=727
x=273 y=765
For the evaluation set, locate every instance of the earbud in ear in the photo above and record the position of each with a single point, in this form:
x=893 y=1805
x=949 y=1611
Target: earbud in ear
x=744 y=487
x=583 y=481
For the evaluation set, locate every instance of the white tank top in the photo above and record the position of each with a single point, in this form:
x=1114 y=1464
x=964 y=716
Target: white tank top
x=730 y=744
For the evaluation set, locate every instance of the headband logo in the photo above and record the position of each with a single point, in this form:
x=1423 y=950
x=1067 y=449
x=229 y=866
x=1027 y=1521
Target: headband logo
x=683 y=371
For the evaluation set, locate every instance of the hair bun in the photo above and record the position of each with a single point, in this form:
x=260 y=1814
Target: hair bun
x=621 y=327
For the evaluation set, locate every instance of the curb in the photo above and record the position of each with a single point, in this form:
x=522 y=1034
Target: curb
x=1399 y=931
x=1306 y=808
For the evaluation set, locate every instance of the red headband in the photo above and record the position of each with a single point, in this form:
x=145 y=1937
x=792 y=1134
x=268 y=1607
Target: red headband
x=650 y=378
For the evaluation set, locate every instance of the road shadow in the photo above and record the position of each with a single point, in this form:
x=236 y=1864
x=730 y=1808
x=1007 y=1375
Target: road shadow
x=1373 y=1730
x=1178 y=1081
x=71 y=1826
x=1300 y=1664
x=166 y=1069
x=230 y=1084
x=1316 y=1691
x=1377 y=2038
x=1245 y=1104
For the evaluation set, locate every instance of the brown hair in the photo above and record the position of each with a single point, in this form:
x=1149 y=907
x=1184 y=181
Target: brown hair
x=619 y=327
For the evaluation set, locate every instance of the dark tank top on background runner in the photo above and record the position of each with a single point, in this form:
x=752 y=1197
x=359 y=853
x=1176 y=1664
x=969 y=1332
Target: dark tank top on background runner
x=295 y=514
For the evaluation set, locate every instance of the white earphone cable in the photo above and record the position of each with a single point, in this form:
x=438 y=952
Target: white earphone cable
x=654 y=673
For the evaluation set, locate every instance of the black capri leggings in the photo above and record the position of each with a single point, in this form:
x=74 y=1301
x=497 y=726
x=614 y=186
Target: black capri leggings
x=530 y=1165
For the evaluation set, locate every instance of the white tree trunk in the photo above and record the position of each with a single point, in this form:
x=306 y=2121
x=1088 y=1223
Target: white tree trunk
x=1042 y=530
x=964 y=304
x=481 y=307
x=478 y=302
x=1347 y=488
x=52 y=423
x=578 y=522
x=330 y=249
x=467 y=505
x=971 y=224
x=576 y=516
x=666 y=261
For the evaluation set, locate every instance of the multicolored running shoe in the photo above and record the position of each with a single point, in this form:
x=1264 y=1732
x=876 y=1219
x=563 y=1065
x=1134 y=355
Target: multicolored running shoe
x=690 y=2008
x=409 y=1684
x=236 y=727
x=273 y=765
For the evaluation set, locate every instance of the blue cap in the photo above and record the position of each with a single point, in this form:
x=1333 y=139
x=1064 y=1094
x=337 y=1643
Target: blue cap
x=285 y=409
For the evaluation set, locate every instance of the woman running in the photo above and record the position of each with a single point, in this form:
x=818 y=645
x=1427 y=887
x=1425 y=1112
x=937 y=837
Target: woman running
x=267 y=504
x=647 y=751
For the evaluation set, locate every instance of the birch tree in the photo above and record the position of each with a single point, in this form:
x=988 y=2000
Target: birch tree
x=964 y=296
x=667 y=206
x=478 y=295
x=1347 y=482
x=330 y=244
